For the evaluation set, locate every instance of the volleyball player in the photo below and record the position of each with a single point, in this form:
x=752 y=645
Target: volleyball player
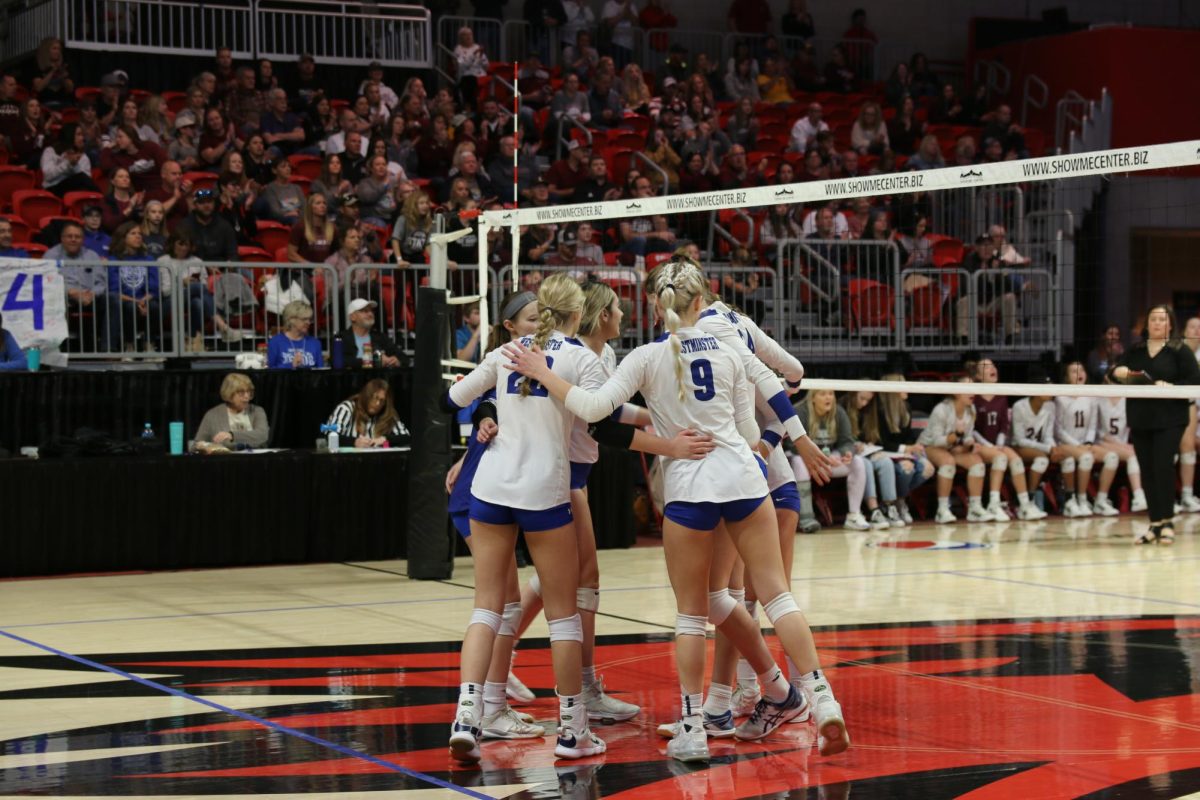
x=993 y=425
x=1033 y=439
x=1074 y=426
x=949 y=440
x=523 y=480
x=1112 y=441
x=693 y=380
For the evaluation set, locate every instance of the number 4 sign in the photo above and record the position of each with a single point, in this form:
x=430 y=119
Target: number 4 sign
x=32 y=302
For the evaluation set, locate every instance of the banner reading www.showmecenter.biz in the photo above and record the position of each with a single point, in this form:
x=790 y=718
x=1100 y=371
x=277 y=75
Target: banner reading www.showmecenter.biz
x=1077 y=165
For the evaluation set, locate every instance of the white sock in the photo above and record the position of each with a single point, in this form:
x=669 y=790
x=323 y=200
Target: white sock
x=1140 y=494
x=589 y=675
x=994 y=498
x=493 y=698
x=1023 y=498
x=719 y=700
x=470 y=696
x=691 y=704
x=774 y=687
x=1101 y=497
x=816 y=683
x=1187 y=492
x=793 y=670
x=943 y=502
x=572 y=713
x=745 y=673
x=975 y=503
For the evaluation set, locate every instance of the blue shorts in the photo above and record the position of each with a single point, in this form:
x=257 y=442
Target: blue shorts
x=787 y=497
x=529 y=521
x=579 y=475
x=706 y=516
x=462 y=523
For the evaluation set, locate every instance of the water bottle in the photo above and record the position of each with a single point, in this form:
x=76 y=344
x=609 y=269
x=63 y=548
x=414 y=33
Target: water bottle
x=336 y=355
x=332 y=437
x=147 y=432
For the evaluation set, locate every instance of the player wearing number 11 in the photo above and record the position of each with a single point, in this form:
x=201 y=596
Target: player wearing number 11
x=693 y=381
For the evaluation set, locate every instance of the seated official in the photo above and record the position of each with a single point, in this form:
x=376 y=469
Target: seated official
x=369 y=418
x=236 y=421
x=361 y=332
x=294 y=347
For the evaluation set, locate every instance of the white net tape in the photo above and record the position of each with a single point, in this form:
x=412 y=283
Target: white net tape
x=1007 y=389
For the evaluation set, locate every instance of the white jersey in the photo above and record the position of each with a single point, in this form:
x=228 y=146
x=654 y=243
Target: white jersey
x=1111 y=423
x=1076 y=420
x=715 y=400
x=527 y=465
x=1033 y=430
x=584 y=449
x=943 y=422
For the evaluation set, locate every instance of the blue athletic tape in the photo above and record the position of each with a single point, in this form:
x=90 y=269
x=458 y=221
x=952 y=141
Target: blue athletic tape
x=794 y=384
x=781 y=404
x=266 y=723
x=771 y=437
x=451 y=405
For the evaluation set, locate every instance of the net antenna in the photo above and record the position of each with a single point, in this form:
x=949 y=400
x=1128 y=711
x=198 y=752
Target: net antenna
x=438 y=268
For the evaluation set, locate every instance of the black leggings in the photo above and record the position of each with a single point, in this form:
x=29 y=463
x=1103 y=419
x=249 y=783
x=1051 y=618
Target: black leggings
x=1156 y=450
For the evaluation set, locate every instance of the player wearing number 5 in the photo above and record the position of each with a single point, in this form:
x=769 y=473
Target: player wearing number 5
x=693 y=381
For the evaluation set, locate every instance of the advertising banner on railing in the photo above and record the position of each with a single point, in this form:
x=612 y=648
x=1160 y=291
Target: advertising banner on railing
x=32 y=302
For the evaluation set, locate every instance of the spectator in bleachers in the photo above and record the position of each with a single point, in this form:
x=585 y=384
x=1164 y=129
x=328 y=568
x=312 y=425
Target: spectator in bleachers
x=471 y=64
x=814 y=221
x=65 y=165
x=567 y=252
x=925 y=82
x=410 y=234
x=671 y=100
x=348 y=241
x=306 y=88
x=198 y=93
x=320 y=122
x=993 y=152
x=217 y=139
x=224 y=75
x=994 y=295
x=311 y=241
x=697 y=86
x=581 y=57
x=635 y=94
x=964 y=151
x=666 y=158
x=736 y=173
x=699 y=172
x=619 y=17
x=814 y=167
x=642 y=235
x=848 y=165
x=947 y=109
x=112 y=89
x=294 y=347
x=183 y=149
x=213 y=238
x=1007 y=254
x=805 y=129
x=121 y=203
x=806 y=74
x=779 y=224
x=348 y=216
x=774 y=84
x=84 y=277
x=376 y=193
x=899 y=85
x=399 y=146
x=128 y=116
x=354 y=162
x=435 y=150
x=283 y=200
x=785 y=173
x=1105 y=354
x=378 y=112
x=282 y=130
x=235 y=206
x=826 y=148
x=257 y=163
x=500 y=168
x=171 y=193
x=50 y=79
x=143 y=160
x=369 y=419
x=137 y=290
x=742 y=126
x=6 y=241
x=905 y=129
x=587 y=247
x=193 y=275
x=740 y=289
x=244 y=103
x=838 y=75
x=10 y=109
x=870 y=133
x=233 y=170
x=597 y=187
x=236 y=421
x=916 y=251
x=331 y=182
x=154 y=229
x=859 y=42
x=856 y=220
x=742 y=83
x=567 y=173
x=797 y=22
x=153 y=123
x=28 y=137
x=348 y=123
x=928 y=155
x=479 y=184
x=570 y=102
x=266 y=80
x=999 y=125
x=94 y=236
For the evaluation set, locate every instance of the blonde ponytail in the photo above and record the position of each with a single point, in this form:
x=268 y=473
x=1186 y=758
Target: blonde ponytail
x=559 y=297
x=671 y=321
x=678 y=284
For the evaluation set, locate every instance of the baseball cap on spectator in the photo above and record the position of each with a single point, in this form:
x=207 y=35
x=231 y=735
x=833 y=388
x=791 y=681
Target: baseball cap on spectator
x=348 y=199
x=358 y=305
x=568 y=236
x=541 y=182
x=184 y=119
x=573 y=144
x=118 y=77
x=200 y=195
x=668 y=81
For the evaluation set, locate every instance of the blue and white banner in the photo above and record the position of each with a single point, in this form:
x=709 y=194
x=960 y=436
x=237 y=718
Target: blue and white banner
x=32 y=302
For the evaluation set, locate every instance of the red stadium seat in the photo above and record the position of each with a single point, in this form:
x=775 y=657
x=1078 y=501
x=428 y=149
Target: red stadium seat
x=12 y=180
x=872 y=305
x=306 y=166
x=87 y=94
x=947 y=251
x=33 y=204
x=34 y=249
x=639 y=124
x=654 y=259
x=273 y=235
x=21 y=228
x=46 y=222
x=303 y=181
x=253 y=255
x=926 y=311
x=174 y=101
x=201 y=180
x=628 y=141
x=75 y=202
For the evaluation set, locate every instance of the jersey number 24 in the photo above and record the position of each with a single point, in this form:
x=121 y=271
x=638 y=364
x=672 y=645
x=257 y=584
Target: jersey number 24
x=535 y=388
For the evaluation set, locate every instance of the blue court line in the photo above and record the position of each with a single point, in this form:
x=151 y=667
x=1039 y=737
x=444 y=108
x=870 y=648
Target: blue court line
x=1095 y=592
x=266 y=723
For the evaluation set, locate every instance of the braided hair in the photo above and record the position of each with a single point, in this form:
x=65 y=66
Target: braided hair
x=559 y=297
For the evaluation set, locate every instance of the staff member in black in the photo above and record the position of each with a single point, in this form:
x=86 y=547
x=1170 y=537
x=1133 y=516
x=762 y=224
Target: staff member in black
x=1156 y=426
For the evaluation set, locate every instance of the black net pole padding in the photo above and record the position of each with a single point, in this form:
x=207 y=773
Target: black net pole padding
x=430 y=544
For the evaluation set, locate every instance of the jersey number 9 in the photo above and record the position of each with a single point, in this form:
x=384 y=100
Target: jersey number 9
x=702 y=376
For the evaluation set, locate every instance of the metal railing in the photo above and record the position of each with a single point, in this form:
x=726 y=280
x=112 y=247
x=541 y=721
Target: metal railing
x=167 y=27
x=995 y=77
x=1030 y=100
x=966 y=213
x=488 y=34
x=755 y=290
x=1069 y=113
x=28 y=25
x=345 y=33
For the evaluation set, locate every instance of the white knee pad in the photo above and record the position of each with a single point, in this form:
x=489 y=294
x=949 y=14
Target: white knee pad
x=1000 y=463
x=510 y=620
x=1132 y=467
x=1111 y=460
x=1187 y=458
x=977 y=470
x=1086 y=461
x=1016 y=466
x=780 y=607
x=587 y=599
x=535 y=585
x=946 y=471
x=1067 y=464
x=1040 y=464
x=482 y=616
x=720 y=606
x=738 y=594
x=567 y=629
x=686 y=625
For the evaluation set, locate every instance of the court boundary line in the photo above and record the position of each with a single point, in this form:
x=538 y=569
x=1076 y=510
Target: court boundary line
x=1078 y=590
x=266 y=723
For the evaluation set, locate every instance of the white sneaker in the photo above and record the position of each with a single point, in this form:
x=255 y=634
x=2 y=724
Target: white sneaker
x=978 y=514
x=878 y=520
x=507 y=724
x=998 y=512
x=1071 y=508
x=1104 y=507
x=602 y=707
x=1138 y=504
x=945 y=516
x=577 y=744
x=745 y=698
x=689 y=744
x=768 y=716
x=517 y=691
x=1178 y=508
x=798 y=685
x=856 y=522
x=832 y=737
x=464 y=738
x=718 y=727
x=905 y=514
x=893 y=517
x=1083 y=506
x=1030 y=511
x=1190 y=504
